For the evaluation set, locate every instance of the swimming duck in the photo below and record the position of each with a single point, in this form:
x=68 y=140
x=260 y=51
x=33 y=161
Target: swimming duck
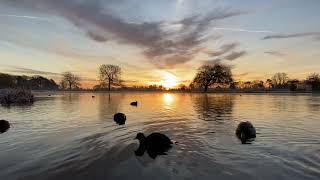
x=246 y=132
x=4 y=126
x=155 y=144
x=120 y=118
x=134 y=103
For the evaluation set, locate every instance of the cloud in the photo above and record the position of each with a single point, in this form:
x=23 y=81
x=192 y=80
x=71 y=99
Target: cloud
x=296 y=35
x=212 y=62
x=242 y=30
x=32 y=71
x=235 y=55
x=223 y=49
x=97 y=37
x=275 y=53
x=163 y=48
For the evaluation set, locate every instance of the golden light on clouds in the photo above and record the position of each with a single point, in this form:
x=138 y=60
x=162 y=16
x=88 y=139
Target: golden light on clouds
x=169 y=80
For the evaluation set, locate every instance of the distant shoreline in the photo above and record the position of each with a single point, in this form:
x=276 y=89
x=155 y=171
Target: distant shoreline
x=187 y=91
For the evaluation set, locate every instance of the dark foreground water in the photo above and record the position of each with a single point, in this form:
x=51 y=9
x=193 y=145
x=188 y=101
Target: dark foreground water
x=73 y=136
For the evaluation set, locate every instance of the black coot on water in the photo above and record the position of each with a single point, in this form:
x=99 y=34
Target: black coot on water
x=120 y=118
x=246 y=132
x=135 y=103
x=155 y=144
x=4 y=126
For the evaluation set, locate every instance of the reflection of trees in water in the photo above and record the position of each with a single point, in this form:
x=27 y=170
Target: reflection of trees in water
x=313 y=103
x=213 y=107
x=109 y=104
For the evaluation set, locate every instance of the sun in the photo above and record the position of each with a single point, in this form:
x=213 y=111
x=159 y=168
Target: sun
x=169 y=80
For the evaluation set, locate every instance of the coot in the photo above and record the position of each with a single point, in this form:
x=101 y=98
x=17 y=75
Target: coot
x=4 y=126
x=120 y=118
x=134 y=103
x=246 y=132
x=155 y=144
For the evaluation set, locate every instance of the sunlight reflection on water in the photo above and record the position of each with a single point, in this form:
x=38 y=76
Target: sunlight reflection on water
x=73 y=136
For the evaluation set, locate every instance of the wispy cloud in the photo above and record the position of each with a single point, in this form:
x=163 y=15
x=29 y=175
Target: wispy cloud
x=32 y=71
x=223 y=49
x=296 y=35
x=226 y=52
x=24 y=17
x=242 y=30
x=163 y=48
x=235 y=55
x=275 y=53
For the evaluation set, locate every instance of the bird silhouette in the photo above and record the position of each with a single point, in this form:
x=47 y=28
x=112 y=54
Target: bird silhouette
x=120 y=118
x=155 y=144
x=134 y=103
x=4 y=126
x=246 y=132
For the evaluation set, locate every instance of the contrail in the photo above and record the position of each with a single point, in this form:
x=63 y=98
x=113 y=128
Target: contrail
x=242 y=30
x=25 y=17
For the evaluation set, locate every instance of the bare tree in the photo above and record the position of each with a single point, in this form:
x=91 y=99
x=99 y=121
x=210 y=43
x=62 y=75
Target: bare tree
x=70 y=81
x=314 y=81
x=280 y=80
x=110 y=74
x=211 y=74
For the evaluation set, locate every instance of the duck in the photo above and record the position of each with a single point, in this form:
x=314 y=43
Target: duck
x=246 y=132
x=135 y=103
x=4 y=126
x=120 y=118
x=155 y=144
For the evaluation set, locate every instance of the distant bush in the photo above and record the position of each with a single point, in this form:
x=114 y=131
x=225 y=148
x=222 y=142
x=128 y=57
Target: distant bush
x=16 y=97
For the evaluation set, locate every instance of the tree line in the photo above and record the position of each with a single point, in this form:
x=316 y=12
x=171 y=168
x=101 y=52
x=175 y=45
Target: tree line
x=26 y=82
x=216 y=76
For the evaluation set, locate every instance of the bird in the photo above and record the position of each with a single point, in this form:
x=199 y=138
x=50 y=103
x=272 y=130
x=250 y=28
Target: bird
x=155 y=144
x=49 y=94
x=120 y=118
x=246 y=132
x=4 y=126
x=134 y=103
x=93 y=96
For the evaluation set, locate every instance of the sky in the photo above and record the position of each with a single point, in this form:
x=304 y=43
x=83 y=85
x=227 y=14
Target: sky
x=155 y=41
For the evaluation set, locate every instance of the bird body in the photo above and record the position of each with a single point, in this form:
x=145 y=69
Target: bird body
x=246 y=132
x=155 y=144
x=4 y=126
x=120 y=118
x=134 y=103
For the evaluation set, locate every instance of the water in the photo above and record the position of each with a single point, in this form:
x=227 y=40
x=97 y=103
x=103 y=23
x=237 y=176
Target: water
x=73 y=136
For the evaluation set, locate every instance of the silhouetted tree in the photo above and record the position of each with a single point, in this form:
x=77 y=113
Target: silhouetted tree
x=42 y=83
x=293 y=84
x=7 y=81
x=280 y=80
x=70 y=81
x=110 y=74
x=22 y=82
x=269 y=83
x=314 y=81
x=209 y=75
x=257 y=84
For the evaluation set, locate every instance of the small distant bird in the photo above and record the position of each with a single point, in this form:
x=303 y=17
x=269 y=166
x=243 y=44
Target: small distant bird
x=4 y=126
x=134 y=103
x=246 y=132
x=49 y=94
x=155 y=144
x=93 y=96
x=120 y=118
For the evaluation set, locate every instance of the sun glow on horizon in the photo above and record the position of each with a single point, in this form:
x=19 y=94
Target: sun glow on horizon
x=169 y=80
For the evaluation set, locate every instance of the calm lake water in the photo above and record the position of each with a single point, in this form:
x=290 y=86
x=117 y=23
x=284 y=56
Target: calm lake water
x=73 y=136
